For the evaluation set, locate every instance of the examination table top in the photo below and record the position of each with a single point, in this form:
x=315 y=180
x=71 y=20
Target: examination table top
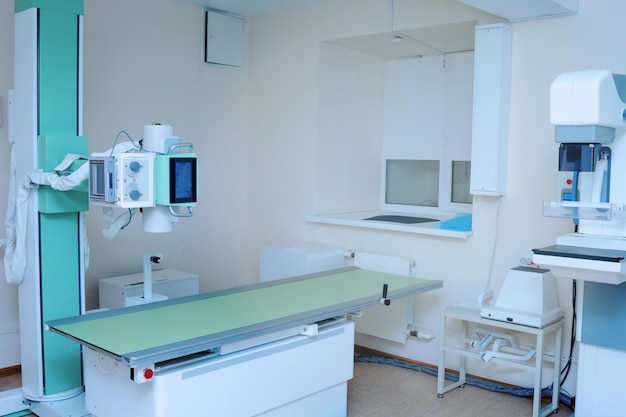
x=157 y=332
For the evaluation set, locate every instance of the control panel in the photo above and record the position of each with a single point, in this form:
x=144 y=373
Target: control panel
x=136 y=179
x=126 y=180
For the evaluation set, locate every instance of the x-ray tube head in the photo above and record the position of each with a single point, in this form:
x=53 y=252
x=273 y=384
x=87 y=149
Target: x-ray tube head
x=588 y=98
x=131 y=176
x=158 y=220
x=175 y=175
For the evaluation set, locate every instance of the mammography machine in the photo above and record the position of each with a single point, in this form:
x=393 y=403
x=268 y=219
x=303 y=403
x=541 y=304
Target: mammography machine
x=589 y=113
x=588 y=109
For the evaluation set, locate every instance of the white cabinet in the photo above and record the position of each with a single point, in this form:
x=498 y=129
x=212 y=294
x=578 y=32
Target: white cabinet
x=172 y=283
x=490 y=127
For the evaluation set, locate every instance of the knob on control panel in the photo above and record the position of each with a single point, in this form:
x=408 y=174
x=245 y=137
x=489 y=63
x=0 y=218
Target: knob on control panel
x=135 y=179
x=134 y=166
x=134 y=195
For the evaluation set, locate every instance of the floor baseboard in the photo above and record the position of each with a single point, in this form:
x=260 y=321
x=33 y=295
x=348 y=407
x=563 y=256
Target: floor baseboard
x=11 y=370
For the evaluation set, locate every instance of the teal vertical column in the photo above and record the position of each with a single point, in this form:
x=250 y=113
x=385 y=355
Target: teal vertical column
x=59 y=227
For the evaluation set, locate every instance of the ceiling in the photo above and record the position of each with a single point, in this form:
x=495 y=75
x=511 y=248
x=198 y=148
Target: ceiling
x=422 y=41
x=417 y=42
x=509 y=9
x=251 y=7
x=414 y=43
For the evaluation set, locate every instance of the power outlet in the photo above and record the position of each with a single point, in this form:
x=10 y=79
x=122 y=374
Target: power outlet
x=421 y=333
x=525 y=259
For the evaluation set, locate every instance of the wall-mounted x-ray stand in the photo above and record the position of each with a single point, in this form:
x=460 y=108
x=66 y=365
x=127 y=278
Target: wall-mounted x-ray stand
x=48 y=263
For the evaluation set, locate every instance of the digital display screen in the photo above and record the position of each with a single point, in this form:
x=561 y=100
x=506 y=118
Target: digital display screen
x=182 y=180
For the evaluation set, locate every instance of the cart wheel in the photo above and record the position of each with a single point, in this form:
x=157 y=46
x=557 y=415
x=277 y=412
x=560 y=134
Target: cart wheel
x=439 y=396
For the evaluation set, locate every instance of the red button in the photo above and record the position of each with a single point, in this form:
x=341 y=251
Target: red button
x=148 y=373
x=569 y=181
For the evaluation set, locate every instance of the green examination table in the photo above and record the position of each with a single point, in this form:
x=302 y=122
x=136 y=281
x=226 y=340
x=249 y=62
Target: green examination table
x=280 y=348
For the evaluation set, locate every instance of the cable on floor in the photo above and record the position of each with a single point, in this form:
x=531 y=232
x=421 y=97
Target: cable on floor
x=564 y=396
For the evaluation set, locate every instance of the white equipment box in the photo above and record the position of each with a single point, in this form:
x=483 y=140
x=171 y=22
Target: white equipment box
x=528 y=297
x=169 y=282
x=286 y=261
x=304 y=376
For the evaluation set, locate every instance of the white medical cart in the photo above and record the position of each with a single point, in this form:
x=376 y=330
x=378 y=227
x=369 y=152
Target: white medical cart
x=534 y=364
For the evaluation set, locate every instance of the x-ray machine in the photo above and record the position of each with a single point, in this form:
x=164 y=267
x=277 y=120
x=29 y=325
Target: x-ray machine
x=47 y=125
x=45 y=251
x=152 y=359
x=588 y=109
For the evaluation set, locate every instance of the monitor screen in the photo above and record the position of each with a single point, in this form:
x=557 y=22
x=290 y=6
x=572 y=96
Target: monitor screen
x=182 y=180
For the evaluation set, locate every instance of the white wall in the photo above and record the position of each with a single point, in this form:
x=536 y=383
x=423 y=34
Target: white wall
x=350 y=135
x=284 y=125
x=256 y=133
x=144 y=63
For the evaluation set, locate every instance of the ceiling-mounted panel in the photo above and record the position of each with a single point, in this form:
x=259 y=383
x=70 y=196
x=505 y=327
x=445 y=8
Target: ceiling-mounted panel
x=525 y=9
x=448 y=37
x=416 y=42
x=386 y=46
